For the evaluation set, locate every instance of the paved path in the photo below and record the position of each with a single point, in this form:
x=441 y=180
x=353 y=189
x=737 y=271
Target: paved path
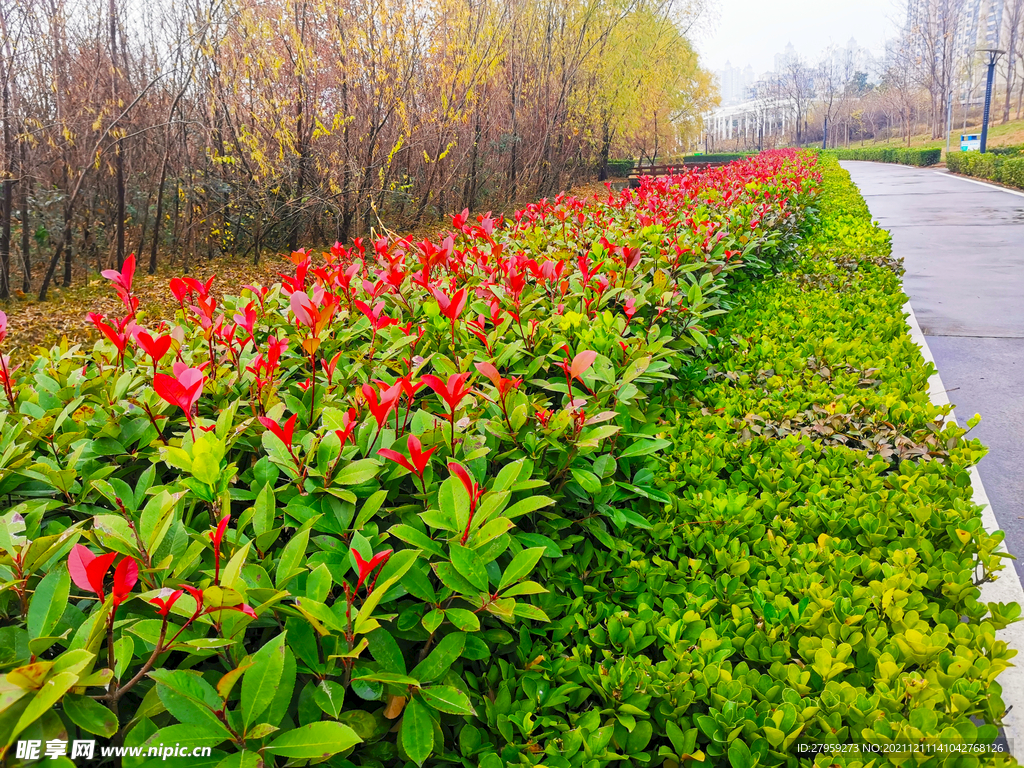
x=963 y=249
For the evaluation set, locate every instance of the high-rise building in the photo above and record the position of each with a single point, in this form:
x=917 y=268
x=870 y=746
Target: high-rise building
x=734 y=83
x=979 y=25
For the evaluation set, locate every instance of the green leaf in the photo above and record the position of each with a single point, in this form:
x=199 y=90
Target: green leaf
x=157 y=517
x=441 y=659
x=244 y=759
x=369 y=509
x=387 y=677
x=445 y=698
x=644 y=448
x=45 y=698
x=261 y=679
x=590 y=482
x=193 y=735
x=357 y=472
x=48 y=602
x=278 y=708
x=469 y=565
x=521 y=566
x=739 y=755
x=90 y=715
x=524 y=588
x=264 y=510
x=417 y=731
x=386 y=652
x=527 y=505
x=189 y=698
x=677 y=737
x=294 y=552
x=314 y=741
x=507 y=476
x=330 y=697
x=454 y=504
x=453 y=579
x=465 y=620
x=623 y=517
x=418 y=539
x=433 y=620
x=207 y=454
x=551 y=548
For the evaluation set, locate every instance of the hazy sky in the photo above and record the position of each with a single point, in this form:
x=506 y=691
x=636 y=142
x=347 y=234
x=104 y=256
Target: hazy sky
x=753 y=31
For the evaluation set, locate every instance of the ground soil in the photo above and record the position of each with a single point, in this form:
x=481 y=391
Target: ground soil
x=33 y=324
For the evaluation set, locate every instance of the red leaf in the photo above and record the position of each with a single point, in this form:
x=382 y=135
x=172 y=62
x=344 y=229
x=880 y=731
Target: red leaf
x=155 y=348
x=398 y=458
x=222 y=526
x=78 y=564
x=168 y=388
x=302 y=308
x=366 y=566
x=285 y=433
x=96 y=571
x=165 y=604
x=125 y=577
x=582 y=363
x=490 y=372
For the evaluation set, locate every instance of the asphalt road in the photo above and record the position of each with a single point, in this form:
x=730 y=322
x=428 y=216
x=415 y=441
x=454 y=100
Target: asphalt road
x=963 y=249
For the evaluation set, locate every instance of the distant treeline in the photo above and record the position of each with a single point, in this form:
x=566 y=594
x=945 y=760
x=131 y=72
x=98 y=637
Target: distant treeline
x=201 y=127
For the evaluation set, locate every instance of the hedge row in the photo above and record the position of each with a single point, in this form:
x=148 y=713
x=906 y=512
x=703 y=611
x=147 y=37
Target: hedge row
x=326 y=518
x=1007 y=169
x=620 y=169
x=1006 y=151
x=901 y=155
x=635 y=556
x=812 y=577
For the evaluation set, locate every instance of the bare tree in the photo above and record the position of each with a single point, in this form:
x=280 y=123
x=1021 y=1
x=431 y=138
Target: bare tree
x=1013 y=19
x=899 y=84
x=933 y=35
x=832 y=79
x=796 y=82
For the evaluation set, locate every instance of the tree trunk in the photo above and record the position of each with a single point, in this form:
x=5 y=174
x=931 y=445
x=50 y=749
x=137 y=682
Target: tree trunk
x=346 y=181
x=159 y=210
x=1009 y=72
x=69 y=251
x=26 y=236
x=118 y=157
x=606 y=148
x=471 y=182
x=7 y=201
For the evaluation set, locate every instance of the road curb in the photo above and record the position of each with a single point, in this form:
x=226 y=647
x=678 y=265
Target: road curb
x=999 y=187
x=1007 y=587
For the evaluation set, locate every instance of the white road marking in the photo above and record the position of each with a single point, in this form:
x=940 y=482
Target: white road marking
x=996 y=187
x=1007 y=586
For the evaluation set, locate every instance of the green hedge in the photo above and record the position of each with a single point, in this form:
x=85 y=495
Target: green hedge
x=719 y=157
x=1012 y=172
x=680 y=161
x=342 y=509
x=780 y=547
x=1006 y=169
x=1007 y=151
x=901 y=155
x=620 y=168
x=811 y=574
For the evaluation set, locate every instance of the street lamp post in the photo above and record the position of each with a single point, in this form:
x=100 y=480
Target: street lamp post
x=949 y=120
x=993 y=54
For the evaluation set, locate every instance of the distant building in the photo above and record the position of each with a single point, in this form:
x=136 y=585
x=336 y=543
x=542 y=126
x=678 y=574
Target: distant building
x=782 y=59
x=853 y=58
x=981 y=25
x=734 y=83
